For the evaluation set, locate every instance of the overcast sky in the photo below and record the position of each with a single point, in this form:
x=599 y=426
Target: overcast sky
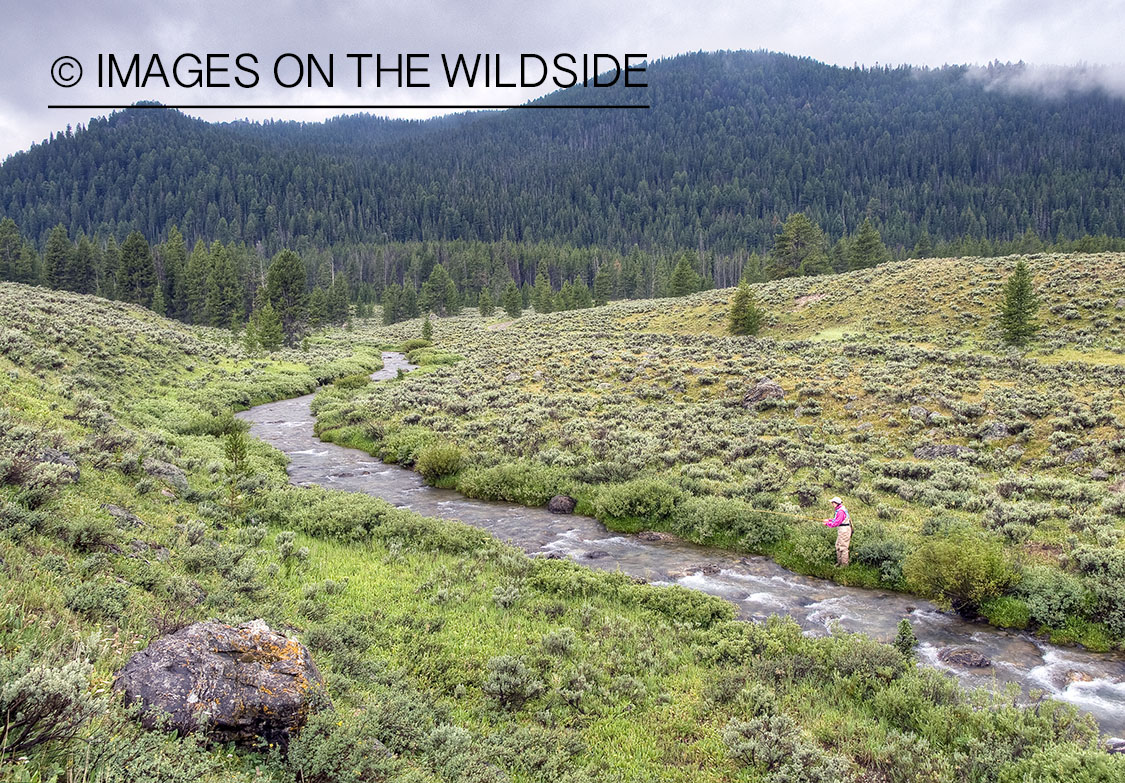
x=844 y=32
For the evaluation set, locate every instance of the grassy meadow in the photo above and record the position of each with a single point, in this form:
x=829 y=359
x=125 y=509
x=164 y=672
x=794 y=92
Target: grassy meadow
x=132 y=503
x=987 y=478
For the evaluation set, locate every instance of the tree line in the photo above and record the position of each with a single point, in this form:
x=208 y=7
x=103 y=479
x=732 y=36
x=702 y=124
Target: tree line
x=228 y=284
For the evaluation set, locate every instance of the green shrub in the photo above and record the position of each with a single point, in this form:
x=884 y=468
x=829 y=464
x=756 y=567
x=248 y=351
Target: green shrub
x=877 y=548
x=403 y=445
x=525 y=483
x=1051 y=595
x=352 y=381
x=961 y=572
x=413 y=344
x=338 y=747
x=439 y=460
x=1006 y=611
x=42 y=703
x=637 y=502
x=97 y=600
x=701 y=519
x=510 y=682
x=432 y=356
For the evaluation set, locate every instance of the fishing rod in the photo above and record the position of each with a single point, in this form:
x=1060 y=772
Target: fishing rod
x=784 y=514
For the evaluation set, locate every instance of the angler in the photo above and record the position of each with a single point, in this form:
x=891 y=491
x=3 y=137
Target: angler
x=842 y=521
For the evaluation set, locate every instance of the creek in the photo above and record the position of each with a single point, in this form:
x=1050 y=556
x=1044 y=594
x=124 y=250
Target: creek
x=1094 y=682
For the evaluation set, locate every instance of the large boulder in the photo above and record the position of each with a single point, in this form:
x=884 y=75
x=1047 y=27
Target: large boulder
x=765 y=389
x=562 y=504
x=237 y=683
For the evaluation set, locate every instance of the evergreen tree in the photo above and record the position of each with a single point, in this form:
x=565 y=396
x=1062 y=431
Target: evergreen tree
x=1017 y=314
x=84 y=266
x=427 y=329
x=603 y=285
x=408 y=307
x=485 y=304
x=542 y=298
x=18 y=259
x=339 y=307
x=392 y=295
x=684 y=279
x=452 y=298
x=923 y=248
x=175 y=260
x=512 y=300
x=905 y=640
x=111 y=260
x=195 y=283
x=798 y=249
x=223 y=307
x=58 y=259
x=158 y=306
x=318 y=307
x=867 y=249
x=745 y=315
x=285 y=288
x=582 y=296
x=267 y=327
x=136 y=274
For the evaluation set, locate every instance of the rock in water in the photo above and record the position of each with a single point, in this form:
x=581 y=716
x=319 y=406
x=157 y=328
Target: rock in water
x=237 y=684
x=561 y=504
x=964 y=657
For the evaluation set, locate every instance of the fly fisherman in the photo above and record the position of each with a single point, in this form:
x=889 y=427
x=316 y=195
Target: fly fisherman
x=842 y=521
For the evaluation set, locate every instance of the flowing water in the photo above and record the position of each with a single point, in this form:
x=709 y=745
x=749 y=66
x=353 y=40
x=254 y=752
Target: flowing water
x=758 y=587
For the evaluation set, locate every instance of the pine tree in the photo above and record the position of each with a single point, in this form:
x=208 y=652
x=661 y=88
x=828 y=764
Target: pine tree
x=512 y=300
x=867 y=249
x=923 y=248
x=158 y=306
x=684 y=279
x=798 y=249
x=339 y=307
x=136 y=274
x=392 y=295
x=11 y=247
x=285 y=288
x=485 y=304
x=58 y=259
x=174 y=256
x=905 y=640
x=107 y=276
x=603 y=285
x=542 y=299
x=195 y=283
x=318 y=307
x=427 y=330
x=267 y=327
x=1017 y=314
x=408 y=305
x=745 y=315
x=223 y=307
x=84 y=266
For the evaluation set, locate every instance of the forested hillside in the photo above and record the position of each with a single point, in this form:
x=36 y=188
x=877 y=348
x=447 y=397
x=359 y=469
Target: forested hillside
x=733 y=144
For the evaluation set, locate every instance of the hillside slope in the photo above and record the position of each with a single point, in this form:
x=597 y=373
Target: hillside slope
x=129 y=506
x=734 y=142
x=989 y=479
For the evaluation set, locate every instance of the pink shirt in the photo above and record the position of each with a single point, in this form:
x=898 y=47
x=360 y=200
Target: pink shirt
x=841 y=517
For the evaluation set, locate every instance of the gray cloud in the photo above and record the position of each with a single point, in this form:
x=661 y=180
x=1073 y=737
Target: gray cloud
x=1052 y=81
x=855 y=31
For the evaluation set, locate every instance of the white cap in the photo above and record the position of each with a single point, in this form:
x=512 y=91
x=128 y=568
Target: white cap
x=837 y=501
